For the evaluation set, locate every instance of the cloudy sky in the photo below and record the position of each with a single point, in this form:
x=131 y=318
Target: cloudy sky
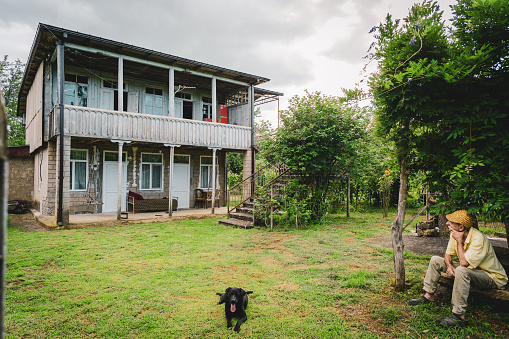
x=314 y=45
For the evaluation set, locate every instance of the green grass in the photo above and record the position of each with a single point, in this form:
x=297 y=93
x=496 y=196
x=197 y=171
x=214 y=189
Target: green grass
x=159 y=281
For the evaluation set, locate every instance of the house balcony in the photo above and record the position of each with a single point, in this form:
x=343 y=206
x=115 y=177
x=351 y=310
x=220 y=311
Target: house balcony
x=106 y=124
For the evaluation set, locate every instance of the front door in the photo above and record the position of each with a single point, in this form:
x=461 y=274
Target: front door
x=110 y=181
x=181 y=182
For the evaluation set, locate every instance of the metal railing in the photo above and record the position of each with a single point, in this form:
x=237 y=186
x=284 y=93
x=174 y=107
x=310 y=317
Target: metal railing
x=246 y=189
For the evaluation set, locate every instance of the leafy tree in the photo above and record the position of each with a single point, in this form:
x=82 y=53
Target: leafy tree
x=438 y=99
x=11 y=74
x=318 y=140
x=406 y=95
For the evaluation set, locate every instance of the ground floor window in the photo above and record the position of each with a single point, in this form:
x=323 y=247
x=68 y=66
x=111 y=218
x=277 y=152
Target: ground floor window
x=151 y=171
x=206 y=172
x=79 y=166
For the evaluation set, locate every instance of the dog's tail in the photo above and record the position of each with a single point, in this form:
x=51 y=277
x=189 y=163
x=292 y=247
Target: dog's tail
x=221 y=299
x=249 y=292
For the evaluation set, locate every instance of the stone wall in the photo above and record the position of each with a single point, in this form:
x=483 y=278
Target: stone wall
x=21 y=173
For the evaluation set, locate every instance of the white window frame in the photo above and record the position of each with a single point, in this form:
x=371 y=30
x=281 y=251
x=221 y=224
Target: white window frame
x=209 y=170
x=151 y=187
x=76 y=84
x=73 y=170
x=206 y=108
x=153 y=97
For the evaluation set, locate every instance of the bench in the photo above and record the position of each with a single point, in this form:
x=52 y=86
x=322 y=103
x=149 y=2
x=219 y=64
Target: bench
x=448 y=281
x=137 y=204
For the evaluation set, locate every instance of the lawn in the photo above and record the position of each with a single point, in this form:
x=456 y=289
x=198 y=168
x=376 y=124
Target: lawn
x=159 y=281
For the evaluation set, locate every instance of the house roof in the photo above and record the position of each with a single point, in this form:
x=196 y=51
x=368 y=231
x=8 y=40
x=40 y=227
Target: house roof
x=47 y=37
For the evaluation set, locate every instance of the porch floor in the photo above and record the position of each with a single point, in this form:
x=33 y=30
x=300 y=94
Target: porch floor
x=110 y=219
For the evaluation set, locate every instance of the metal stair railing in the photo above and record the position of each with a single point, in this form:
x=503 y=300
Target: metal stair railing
x=246 y=189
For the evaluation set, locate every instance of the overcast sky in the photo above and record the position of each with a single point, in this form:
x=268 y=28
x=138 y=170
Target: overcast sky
x=316 y=45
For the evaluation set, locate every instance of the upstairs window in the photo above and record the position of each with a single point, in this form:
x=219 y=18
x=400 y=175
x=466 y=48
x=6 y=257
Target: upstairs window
x=79 y=166
x=207 y=108
x=151 y=171
x=75 y=90
x=153 y=101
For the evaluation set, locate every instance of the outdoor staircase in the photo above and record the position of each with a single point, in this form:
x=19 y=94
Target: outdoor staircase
x=264 y=183
x=242 y=217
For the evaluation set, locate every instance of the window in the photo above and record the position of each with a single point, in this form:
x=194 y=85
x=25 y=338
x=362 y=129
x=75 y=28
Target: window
x=181 y=159
x=206 y=172
x=207 y=108
x=79 y=165
x=151 y=171
x=75 y=90
x=154 y=101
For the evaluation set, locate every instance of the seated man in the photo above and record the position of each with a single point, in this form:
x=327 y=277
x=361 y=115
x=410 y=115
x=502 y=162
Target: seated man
x=478 y=265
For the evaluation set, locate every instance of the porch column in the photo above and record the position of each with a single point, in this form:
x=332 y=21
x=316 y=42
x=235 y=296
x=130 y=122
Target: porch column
x=214 y=149
x=61 y=142
x=120 y=88
x=170 y=189
x=214 y=106
x=119 y=188
x=171 y=94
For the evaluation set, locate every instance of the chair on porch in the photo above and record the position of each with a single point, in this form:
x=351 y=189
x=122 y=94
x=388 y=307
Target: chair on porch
x=209 y=199
x=199 y=197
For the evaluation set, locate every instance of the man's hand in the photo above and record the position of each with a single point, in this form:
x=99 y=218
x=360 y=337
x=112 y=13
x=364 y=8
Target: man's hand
x=450 y=271
x=457 y=235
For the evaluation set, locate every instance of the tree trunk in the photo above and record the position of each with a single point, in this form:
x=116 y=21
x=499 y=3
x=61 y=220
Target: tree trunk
x=397 y=230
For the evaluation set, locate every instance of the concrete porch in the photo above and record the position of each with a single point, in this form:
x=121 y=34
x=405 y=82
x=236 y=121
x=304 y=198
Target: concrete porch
x=77 y=221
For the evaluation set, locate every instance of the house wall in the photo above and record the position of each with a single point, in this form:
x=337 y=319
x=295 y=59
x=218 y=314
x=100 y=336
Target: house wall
x=79 y=202
x=41 y=179
x=34 y=111
x=21 y=173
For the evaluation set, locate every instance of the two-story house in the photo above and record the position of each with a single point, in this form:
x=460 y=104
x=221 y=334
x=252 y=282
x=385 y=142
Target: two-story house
x=104 y=117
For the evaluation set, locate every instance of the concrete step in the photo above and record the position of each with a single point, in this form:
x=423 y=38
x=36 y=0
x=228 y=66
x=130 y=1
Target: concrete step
x=236 y=223
x=242 y=216
x=248 y=204
x=246 y=210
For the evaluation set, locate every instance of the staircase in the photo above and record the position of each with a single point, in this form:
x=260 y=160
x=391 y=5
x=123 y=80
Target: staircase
x=264 y=182
x=242 y=217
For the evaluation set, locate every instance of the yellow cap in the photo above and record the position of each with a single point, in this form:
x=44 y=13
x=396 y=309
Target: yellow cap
x=461 y=217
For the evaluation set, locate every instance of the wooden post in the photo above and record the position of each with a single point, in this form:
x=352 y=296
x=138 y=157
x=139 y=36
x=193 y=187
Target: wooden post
x=120 y=87
x=271 y=207
x=4 y=188
x=214 y=103
x=170 y=188
x=171 y=93
x=348 y=196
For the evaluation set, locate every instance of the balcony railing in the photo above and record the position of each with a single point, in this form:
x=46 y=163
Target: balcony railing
x=106 y=124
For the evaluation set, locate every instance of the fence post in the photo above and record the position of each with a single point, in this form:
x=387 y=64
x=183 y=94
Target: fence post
x=4 y=187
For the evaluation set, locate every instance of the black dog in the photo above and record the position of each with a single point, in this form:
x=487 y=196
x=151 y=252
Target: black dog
x=235 y=304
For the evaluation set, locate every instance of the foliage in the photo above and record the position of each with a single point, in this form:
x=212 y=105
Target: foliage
x=439 y=101
x=318 y=140
x=234 y=162
x=11 y=74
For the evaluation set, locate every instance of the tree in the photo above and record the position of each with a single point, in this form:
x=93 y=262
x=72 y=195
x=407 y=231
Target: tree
x=318 y=140
x=438 y=100
x=405 y=93
x=11 y=74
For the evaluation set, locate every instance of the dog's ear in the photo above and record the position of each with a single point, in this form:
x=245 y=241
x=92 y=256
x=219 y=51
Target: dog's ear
x=228 y=290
